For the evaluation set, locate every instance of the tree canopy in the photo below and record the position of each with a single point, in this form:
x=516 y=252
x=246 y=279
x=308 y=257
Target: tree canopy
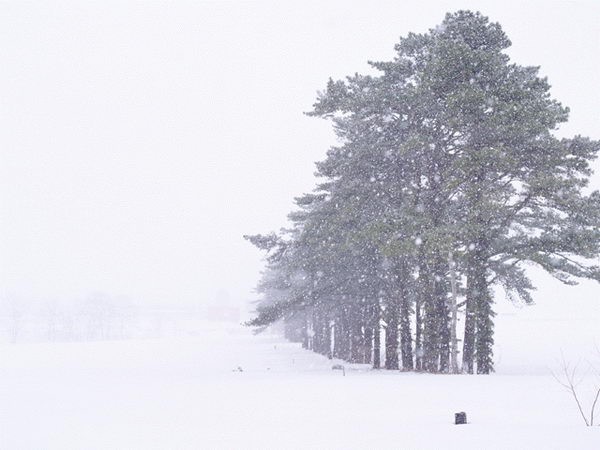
x=447 y=180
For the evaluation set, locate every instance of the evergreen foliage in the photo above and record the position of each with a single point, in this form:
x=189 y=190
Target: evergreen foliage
x=448 y=151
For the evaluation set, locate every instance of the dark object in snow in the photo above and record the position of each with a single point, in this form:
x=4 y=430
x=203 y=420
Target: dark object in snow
x=238 y=369
x=460 y=418
x=339 y=367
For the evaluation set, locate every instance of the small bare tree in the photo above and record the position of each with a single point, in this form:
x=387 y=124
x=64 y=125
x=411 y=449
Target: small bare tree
x=570 y=379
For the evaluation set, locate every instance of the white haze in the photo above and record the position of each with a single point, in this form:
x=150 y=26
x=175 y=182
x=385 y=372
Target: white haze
x=140 y=141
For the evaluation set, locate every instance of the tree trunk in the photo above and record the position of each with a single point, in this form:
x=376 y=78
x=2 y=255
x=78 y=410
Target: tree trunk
x=356 y=341
x=484 y=328
x=468 y=359
x=377 y=344
x=318 y=336
x=436 y=329
x=454 y=316
x=367 y=344
x=406 y=339
x=391 y=338
x=418 y=333
x=443 y=316
x=404 y=280
x=479 y=326
x=306 y=338
x=328 y=339
x=341 y=348
x=431 y=336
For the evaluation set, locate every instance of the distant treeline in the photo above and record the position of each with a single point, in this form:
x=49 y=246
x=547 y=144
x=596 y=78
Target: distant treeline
x=97 y=317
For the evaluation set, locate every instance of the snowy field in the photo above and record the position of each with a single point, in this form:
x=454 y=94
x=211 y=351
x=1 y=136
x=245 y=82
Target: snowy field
x=188 y=393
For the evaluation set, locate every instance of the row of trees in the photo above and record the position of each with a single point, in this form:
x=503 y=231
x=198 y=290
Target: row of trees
x=96 y=317
x=446 y=182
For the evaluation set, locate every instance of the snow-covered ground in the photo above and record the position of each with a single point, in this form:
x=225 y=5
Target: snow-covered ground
x=188 y=393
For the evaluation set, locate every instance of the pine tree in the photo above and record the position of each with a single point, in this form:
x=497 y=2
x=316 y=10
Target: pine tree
x=448 y=151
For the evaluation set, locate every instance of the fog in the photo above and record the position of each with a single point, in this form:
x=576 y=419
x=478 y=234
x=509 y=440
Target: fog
x=139 y=142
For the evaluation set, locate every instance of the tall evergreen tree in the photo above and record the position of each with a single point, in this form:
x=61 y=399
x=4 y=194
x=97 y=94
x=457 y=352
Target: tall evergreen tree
x=449 y=150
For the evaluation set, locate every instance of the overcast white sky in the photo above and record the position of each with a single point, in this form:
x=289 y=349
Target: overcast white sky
x=140 y=141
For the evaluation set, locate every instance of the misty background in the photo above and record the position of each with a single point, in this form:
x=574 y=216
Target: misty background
x=140 y=141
